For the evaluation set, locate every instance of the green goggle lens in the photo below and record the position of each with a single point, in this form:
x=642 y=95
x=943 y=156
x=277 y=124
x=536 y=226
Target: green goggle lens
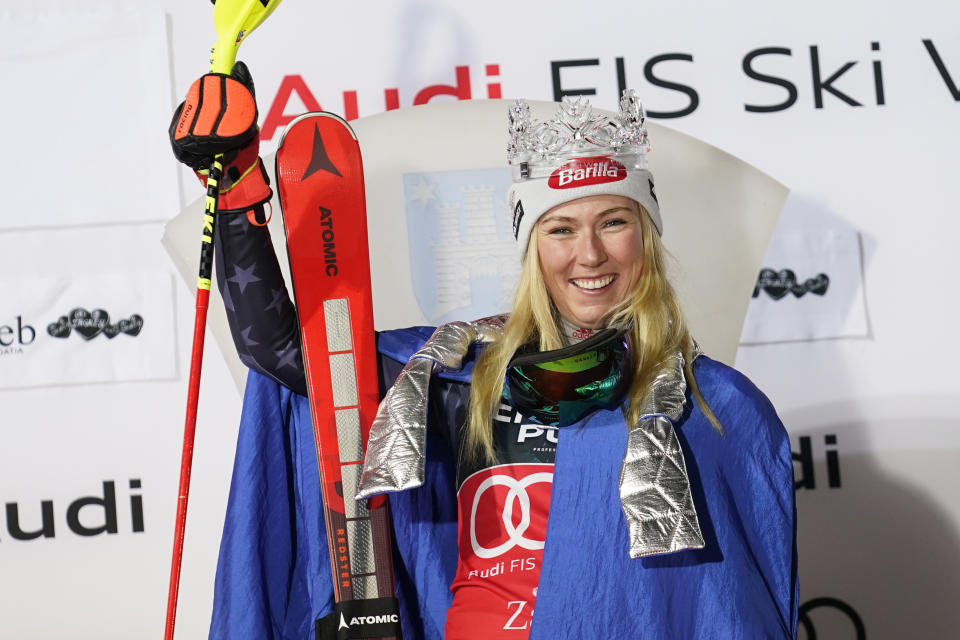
x=558 y=388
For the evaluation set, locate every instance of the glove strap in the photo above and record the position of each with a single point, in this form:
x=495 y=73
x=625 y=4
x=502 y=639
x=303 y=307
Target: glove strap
x=245 y=183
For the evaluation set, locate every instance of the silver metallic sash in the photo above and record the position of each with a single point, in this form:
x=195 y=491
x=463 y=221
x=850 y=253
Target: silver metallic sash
x=654 y=487
x=396 y=449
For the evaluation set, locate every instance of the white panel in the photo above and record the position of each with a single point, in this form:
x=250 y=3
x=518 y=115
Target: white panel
x=812 y=284
x=365 y=587
x=336 y=315
x=361 y=546
x=343 y=378
x=350 y=475
x=84 y=328
x=348 y=435
x=62 y=121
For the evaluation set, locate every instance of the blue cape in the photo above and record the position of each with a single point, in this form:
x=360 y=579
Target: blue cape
x=273 y=574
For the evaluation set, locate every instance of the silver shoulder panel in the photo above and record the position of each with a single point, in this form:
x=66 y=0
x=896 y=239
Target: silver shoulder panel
x=396 y=449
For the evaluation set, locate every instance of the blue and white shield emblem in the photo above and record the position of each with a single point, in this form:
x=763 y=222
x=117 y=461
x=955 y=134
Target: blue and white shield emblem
x=464 y=262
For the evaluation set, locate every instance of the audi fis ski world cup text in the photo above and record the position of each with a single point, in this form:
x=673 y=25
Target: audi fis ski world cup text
x=804 y=469
x=279 y=116
x=86 y=516
x=833 y=83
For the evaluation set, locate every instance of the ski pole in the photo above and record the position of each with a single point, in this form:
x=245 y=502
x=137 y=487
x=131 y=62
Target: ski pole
x=234 y=20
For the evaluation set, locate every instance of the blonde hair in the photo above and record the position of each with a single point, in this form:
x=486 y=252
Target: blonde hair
x=656 y=331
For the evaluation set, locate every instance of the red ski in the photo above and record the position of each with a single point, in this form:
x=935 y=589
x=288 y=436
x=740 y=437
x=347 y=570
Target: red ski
x=320 y=175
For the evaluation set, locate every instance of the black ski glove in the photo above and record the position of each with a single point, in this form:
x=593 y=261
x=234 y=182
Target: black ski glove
x=218 y=116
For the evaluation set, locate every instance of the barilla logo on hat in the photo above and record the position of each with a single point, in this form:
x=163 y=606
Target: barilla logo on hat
x=583 y=172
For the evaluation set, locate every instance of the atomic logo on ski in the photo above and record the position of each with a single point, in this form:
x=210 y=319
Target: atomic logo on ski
x=319 y=159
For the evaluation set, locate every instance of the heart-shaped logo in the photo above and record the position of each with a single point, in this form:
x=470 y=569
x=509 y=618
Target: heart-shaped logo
x=818 y=284
x=766 y=276
x=89 y=324
x=132 y=325
x=778 y=283
x=59 y=329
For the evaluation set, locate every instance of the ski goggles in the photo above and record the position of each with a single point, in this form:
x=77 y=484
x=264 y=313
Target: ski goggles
x=558 y=388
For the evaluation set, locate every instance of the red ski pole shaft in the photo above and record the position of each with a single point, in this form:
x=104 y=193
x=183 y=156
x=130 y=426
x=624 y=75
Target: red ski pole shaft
x=193 y=391
x=234 y=20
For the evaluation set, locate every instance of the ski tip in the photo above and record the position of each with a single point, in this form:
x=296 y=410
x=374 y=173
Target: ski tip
x=316 y=114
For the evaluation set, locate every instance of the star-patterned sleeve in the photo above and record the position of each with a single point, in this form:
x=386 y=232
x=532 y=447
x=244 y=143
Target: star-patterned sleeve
x=262 y=317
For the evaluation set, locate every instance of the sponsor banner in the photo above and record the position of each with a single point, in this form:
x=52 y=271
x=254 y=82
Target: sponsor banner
x=463 y=258
x=684 y=74
x=811 y=284
x=86 y=328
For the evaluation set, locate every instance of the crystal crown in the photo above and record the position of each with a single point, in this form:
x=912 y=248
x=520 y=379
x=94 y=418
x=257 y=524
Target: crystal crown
x=537 y=147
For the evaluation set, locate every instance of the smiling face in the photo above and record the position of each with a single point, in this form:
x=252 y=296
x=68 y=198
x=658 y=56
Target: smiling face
x=591 y=256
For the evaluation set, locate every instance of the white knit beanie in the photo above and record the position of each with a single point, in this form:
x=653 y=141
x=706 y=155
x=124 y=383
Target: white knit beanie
x=574 y=156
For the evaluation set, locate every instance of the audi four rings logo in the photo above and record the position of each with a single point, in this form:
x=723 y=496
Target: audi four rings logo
x=517 y=494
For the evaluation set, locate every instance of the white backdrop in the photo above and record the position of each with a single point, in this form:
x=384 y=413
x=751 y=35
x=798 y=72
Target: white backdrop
x=873 y=407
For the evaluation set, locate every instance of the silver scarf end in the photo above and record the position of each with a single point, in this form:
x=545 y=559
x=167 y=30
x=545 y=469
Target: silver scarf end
x=396 y=448
x=642 y=533
x=654 y=485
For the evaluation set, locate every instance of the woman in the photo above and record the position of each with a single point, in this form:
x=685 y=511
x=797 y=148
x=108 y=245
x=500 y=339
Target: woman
x=587 y=484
